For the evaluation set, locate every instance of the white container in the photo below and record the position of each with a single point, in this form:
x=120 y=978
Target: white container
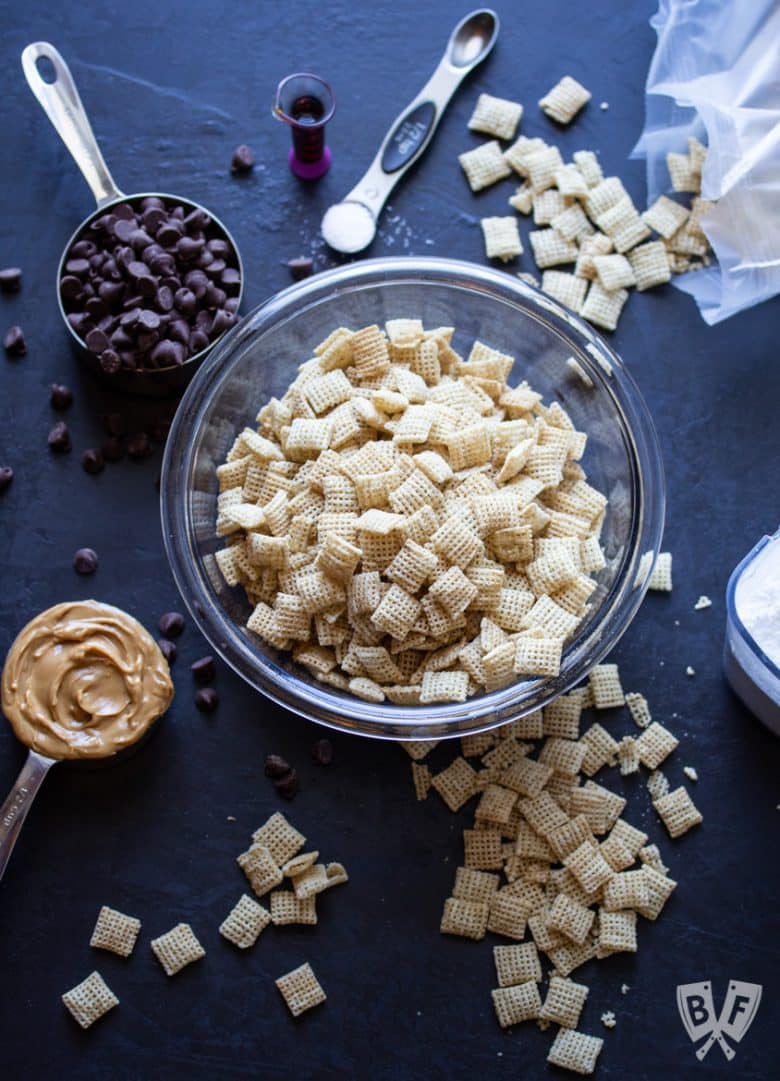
x=751 y=656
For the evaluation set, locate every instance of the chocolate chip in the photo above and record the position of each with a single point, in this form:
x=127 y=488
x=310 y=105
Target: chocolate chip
x=196 y=221
x=222 y=321
x=6 y=476
x=218 y=247
x=163 y=298
x=152 y=201
x=203 y=670
x=123 y=210
x=300 y=267
x=169 y=233
x=186 y=302
x=171 y=624
x=188 y=248
x=123 y=230
x=60 y=396
x=11 y=279
x=288 y=786
x=92 y=461
x=14 y=343
x=77 y=267
x=243 y=159
x=85 y=561
x=110 y=361
x=113 y=450
x=84 y=249
x=198 y=341
x=276 y=766
x=230 y=280
x=168 y=649
x=153 y=217
x=70 y=287
x=148 y=320
x=59 y=438
x=167 y=354
x=206 y=699
x=322 y=752
x=138 y=446
x=97 y=341
x=114 y=423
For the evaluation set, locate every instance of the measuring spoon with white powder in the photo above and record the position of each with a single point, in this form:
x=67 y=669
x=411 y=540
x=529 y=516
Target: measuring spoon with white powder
x=350 y=226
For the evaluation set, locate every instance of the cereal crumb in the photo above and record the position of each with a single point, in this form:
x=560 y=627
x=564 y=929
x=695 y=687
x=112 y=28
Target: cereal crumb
x=624 y=988
x=608 y=1019
x=232 y=818
x=690 y=773
x=604 y=106
x=702 y=602
x=690 y=671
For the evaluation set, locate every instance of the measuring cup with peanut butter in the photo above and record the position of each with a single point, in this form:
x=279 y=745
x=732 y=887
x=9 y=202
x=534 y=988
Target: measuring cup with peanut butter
x=83 y=680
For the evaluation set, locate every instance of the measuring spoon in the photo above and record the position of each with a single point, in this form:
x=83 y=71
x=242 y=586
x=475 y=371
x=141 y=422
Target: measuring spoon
x=350 y=226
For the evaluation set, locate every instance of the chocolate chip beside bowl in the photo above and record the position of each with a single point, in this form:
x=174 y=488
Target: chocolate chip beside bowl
x=301 y=267
x=171 y=624
x=11 y=279
x=6 y=476
x=203 y=670
x=276 y=766
x=322 y=752
x=59 y=438
x=168 y=649
x=14 y=343
x=243 y=159
x=206 y=699
x=139 y=446
x=289 y=785
x=92 y=461
x=85 y=561
x=60 y=396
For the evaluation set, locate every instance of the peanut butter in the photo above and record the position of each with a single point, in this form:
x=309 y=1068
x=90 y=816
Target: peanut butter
x=84 y=680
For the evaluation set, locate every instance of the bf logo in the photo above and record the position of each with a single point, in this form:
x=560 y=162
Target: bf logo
x=697 y=1010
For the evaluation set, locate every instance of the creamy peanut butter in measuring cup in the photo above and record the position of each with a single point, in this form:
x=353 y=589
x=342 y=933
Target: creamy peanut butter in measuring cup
x=84 y=680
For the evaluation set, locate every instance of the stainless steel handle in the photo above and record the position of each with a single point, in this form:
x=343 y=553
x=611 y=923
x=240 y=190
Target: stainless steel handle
x=61 y=102
x=14 y=810
x=375 y=186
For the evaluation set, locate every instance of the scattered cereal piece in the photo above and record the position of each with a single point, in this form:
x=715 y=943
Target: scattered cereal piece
x=702 y=602
x=421 y=777
x=565 y=100
x=690 y=773
x=90 y=999
x=515 y=1004
x=608 y=1018
x=496 y=116
x=602 y=308
x=661 y=578
x=177 y=948
x=115 y=932
x=502 y=239
x=678 y=812
x=300 y=989
x=468 y=919
x=484 y=165
x=244 y=922
x=575 y=1051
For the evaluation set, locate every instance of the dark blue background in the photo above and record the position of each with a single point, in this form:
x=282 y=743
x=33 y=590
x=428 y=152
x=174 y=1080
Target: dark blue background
x=171 y=89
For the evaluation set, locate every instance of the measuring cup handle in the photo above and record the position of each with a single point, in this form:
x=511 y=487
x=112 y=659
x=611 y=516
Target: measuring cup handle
x=61 y=102
x=14 y=810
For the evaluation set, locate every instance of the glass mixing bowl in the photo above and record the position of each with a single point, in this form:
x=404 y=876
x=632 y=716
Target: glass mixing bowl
x=259 y=358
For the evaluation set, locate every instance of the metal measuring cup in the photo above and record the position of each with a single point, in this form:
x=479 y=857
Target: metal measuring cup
x=61 y=102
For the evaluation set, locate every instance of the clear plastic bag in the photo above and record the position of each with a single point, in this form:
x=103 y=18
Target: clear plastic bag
x=716 y=74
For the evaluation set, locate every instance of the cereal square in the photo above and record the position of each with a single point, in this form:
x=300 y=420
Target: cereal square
x=516 y=964
x=468 y=919
x=484 y=165
x=589 y=867
x=90 y=999
x=496 y=116
x=300 y=989
x=604 y=680
x=456 y=784
x=655 y=744
x=521 y=1002
x=564 y=1002
x=565 y=100
x=678 y=812
x=617 y=932
x=115 y=932
x=286 y=908
x=502 y=239
x=575 y=1051
x=244 y=922
x=280 y=838
x=177 y=948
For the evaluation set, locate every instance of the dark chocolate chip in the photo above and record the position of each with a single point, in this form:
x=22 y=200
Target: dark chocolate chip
x=167 y=354
x=14 y=343
x=6 y=476
x=152 y=201
x=186 y=302
x=164 y=298
x=113 y=450
x=70 y=286
x=276 y=766
x=153 y=217
x=114 y=423
x=188 y=248
x=203 y=669
x=179 y=331
x=11 y=279
x=206 y=699
x=124 y=229
x=123 y=210
x=196 y=221
x=300 y=267
x=111 y=293
x=60 y=396
x=230 y=280
x=171 y=624
x=148 y=320
x=168 y=649
x=322 y=752
x=243 y=159
x=110 y=361
x=198 y=341
x=219 y=247
x=138 y=446
x=289 y=785
x=140 y=239
x=59 y=438
x=92 y=461
x=77 y=267
x=96 y=309
x=97 y=340
x=83 y=249
x=223 y=320
x=169 y=233
x=85 y=561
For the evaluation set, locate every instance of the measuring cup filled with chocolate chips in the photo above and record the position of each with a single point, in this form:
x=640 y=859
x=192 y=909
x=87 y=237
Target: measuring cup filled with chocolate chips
x=83 y=681
x=150 y=281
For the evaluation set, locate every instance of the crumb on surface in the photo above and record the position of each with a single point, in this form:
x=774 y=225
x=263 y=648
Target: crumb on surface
x=624 y=988
x=690 y=773
x=689 y=671
x=604 y=106
x=702 y=602
x=608 y=1019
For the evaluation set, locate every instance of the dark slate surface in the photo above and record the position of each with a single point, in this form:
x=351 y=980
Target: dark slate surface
x=171 y=89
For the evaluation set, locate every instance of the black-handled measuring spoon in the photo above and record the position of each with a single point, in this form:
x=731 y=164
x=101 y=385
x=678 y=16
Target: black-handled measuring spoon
x=350 y=226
